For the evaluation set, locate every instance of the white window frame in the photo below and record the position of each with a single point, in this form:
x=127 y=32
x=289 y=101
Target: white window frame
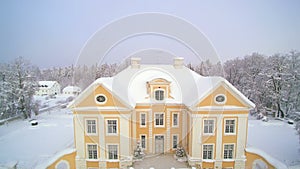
x=141 y=119
x=155 y=125
x=108 y=151
x=212 y=153
x=87 y=126
x=177 y=141
x=164 y=94
x=100 y=103
x=107 y=127
x=145 y=148
x=225 y=99
x=213 y=126
x=234 y=128
x=173 y=114
x=233 y=151
x=87 y=151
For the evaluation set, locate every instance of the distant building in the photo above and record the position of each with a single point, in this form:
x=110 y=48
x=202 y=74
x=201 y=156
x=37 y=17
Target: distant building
x=48 y=88
x=72 y=90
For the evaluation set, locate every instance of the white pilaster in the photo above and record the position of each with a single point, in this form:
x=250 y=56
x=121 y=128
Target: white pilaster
x=150 y=139
x=124 y=136
x=101 y=137
x=241 y=142
x=168 y=119
x=196 y=137
x=80 y=144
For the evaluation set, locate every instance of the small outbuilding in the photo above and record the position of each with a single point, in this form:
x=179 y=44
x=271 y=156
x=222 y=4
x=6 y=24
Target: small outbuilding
x=48 y=88
x=72 y=90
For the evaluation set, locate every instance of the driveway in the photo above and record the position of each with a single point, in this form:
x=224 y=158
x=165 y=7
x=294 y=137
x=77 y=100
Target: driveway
x=163 y=161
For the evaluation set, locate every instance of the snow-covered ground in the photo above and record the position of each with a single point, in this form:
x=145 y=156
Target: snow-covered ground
x=32 y=145
x=276 y=138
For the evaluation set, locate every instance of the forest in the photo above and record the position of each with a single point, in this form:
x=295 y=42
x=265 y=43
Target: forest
x=271 y=82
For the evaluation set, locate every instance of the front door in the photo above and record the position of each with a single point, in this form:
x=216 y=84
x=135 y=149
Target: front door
x=159 y=144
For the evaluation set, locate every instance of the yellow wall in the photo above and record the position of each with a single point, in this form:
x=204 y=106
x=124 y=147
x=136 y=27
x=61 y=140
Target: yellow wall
x=251 y=157
x=91 y=101
x=231 y=100
x=70 y=158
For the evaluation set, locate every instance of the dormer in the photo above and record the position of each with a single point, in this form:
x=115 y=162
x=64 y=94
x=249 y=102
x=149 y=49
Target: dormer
x=158 y=89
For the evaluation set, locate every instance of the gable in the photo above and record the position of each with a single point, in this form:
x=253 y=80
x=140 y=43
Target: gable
x=111 y=100
x=232 y=99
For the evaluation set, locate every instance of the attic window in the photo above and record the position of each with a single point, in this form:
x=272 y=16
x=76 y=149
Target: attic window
x=159 y=95
x=101 y=98
x=220 y=99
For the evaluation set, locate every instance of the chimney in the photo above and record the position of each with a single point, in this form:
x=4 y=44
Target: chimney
x=178 y=62
x=135 y=63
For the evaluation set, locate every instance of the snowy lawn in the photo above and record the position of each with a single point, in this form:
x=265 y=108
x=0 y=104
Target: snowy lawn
x=32 y=145
x=277 y=138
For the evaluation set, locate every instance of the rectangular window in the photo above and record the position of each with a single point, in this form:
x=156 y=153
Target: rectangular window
x=208 y=152
x=113 y=152
x=175 y=141
x=230 y=126
x=159 y=95
x=228 y=151
x=92 y=151
x=208 y=127
x=112 y=127
x=159 y=119
x=91 y=126
x=143 y=141
x=175 y=120
x=142 y=119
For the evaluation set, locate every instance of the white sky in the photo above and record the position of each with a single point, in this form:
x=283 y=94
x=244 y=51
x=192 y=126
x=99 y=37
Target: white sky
x=52 y=33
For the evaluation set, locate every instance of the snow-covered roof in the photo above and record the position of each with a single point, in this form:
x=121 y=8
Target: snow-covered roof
x=72 y=89
x=46 y=84
x=186 y=87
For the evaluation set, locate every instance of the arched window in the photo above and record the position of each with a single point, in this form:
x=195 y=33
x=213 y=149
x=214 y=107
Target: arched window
x=159 y=95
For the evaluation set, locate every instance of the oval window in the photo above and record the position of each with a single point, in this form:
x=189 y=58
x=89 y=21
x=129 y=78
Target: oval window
x=101 y=99
x=220 y=99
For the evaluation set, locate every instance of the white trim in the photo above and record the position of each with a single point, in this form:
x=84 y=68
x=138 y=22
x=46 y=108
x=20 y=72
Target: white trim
x=154 y=96
x=106 y=126
x=86 y=126
x=214 y=126
x=143 y=126
x=177 y=135
x=107 y=152
x=100 y=103
x=63 y=161
x=164 y=121
x=145 y=141
x=213 y=151
x=223 y=102
x=233 y=153
x=235 y=125
x=102 y=108
x=87 y=152
x=220 y=108
x=175 y=126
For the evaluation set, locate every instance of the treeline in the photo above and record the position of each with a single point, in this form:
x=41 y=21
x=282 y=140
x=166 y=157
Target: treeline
x=271 y=82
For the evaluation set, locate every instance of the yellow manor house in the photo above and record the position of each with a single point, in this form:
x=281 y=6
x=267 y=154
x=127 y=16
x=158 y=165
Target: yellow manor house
x=161 y=107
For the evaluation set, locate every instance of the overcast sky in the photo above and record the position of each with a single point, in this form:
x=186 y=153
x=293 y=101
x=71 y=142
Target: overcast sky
x=52 y=33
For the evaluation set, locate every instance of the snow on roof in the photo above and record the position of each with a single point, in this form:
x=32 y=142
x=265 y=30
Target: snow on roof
x=276 y=163
x=72 y=89
x=55 y=157
x=186 y=86
x=277 y=138
x=46 y=84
